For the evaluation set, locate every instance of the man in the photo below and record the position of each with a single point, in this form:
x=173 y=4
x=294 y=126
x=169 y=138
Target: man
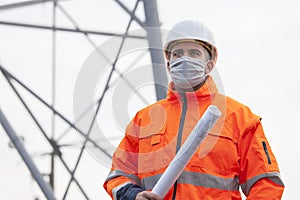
x=234 y=155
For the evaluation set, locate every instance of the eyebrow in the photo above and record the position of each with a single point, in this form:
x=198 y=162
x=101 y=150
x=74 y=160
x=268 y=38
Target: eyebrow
x=176 y=50
x=195 y=50
x=189 y=50
x=181 y=49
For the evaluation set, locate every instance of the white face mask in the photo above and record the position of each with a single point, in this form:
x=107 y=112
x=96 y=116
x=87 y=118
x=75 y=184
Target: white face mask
x=187 y=72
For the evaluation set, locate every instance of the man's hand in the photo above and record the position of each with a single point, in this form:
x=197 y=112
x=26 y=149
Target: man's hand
x=146 y=195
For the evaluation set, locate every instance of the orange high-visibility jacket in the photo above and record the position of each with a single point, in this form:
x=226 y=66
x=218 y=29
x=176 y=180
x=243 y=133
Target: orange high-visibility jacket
x=234 y=155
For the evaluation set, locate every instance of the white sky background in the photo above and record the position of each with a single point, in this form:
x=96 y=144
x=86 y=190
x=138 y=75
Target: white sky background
x=258 y=62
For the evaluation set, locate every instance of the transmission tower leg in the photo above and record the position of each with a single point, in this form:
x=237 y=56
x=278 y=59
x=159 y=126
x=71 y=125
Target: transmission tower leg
x=26 y=157
x=155 y=45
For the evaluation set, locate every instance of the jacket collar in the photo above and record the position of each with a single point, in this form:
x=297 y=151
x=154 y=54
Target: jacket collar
x=207 y=90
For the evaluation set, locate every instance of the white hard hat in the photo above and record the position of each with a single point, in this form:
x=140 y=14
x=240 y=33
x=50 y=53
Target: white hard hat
x=190 y=30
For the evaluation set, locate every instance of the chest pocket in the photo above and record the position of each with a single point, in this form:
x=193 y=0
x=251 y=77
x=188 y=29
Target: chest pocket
x=217 y=155
x=156 y=151
x=155 y=139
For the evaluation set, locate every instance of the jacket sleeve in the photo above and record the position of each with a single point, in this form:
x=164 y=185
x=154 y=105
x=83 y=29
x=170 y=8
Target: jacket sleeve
x=260 y=176
x=123 y=181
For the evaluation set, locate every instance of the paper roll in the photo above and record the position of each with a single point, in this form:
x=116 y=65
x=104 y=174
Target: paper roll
x=187 y=150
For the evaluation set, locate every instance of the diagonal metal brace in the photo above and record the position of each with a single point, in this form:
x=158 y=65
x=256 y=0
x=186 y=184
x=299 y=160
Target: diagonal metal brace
x=26 y=157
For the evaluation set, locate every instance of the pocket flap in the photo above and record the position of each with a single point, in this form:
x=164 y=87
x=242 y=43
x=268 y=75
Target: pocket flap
x=155 y=139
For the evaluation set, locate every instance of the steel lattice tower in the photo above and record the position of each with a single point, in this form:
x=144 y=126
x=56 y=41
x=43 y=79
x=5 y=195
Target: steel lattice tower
x=150 y=18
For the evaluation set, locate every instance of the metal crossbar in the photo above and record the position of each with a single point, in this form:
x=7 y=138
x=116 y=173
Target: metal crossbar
x=154 y=42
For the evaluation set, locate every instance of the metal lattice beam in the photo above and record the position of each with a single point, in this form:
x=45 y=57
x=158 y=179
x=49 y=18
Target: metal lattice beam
x=155 y=44
x=22 y=4
x=26 y=157
x=34 y=26
x=155 y=49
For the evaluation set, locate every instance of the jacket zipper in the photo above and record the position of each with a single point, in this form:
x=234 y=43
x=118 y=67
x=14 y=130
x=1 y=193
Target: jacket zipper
x=266 y=151
x=179 y=135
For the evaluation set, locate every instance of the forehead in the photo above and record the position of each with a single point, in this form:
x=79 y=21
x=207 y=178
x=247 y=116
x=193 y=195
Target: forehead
x=187 y=45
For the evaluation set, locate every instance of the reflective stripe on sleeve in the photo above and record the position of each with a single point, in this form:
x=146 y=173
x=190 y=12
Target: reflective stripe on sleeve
x=273 y=176
x=149 y=182
x=209 y=181
x=117 y=173
x=116 y=189
x=197 y=179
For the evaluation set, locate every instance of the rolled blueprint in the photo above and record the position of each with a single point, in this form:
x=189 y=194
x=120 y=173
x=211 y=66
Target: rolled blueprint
x=187 y=150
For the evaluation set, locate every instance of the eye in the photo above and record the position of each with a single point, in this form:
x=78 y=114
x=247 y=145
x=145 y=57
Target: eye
x=195 y=53
x=177 y=54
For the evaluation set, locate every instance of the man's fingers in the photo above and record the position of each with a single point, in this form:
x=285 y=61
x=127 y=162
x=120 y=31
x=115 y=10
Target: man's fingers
x=146 y=195
x=152 y=196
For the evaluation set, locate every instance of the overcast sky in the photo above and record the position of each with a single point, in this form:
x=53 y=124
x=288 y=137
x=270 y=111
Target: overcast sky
x=258 y=43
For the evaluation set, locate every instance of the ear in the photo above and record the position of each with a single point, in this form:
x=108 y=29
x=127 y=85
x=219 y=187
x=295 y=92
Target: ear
x=168 y=66
x=210 y=65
